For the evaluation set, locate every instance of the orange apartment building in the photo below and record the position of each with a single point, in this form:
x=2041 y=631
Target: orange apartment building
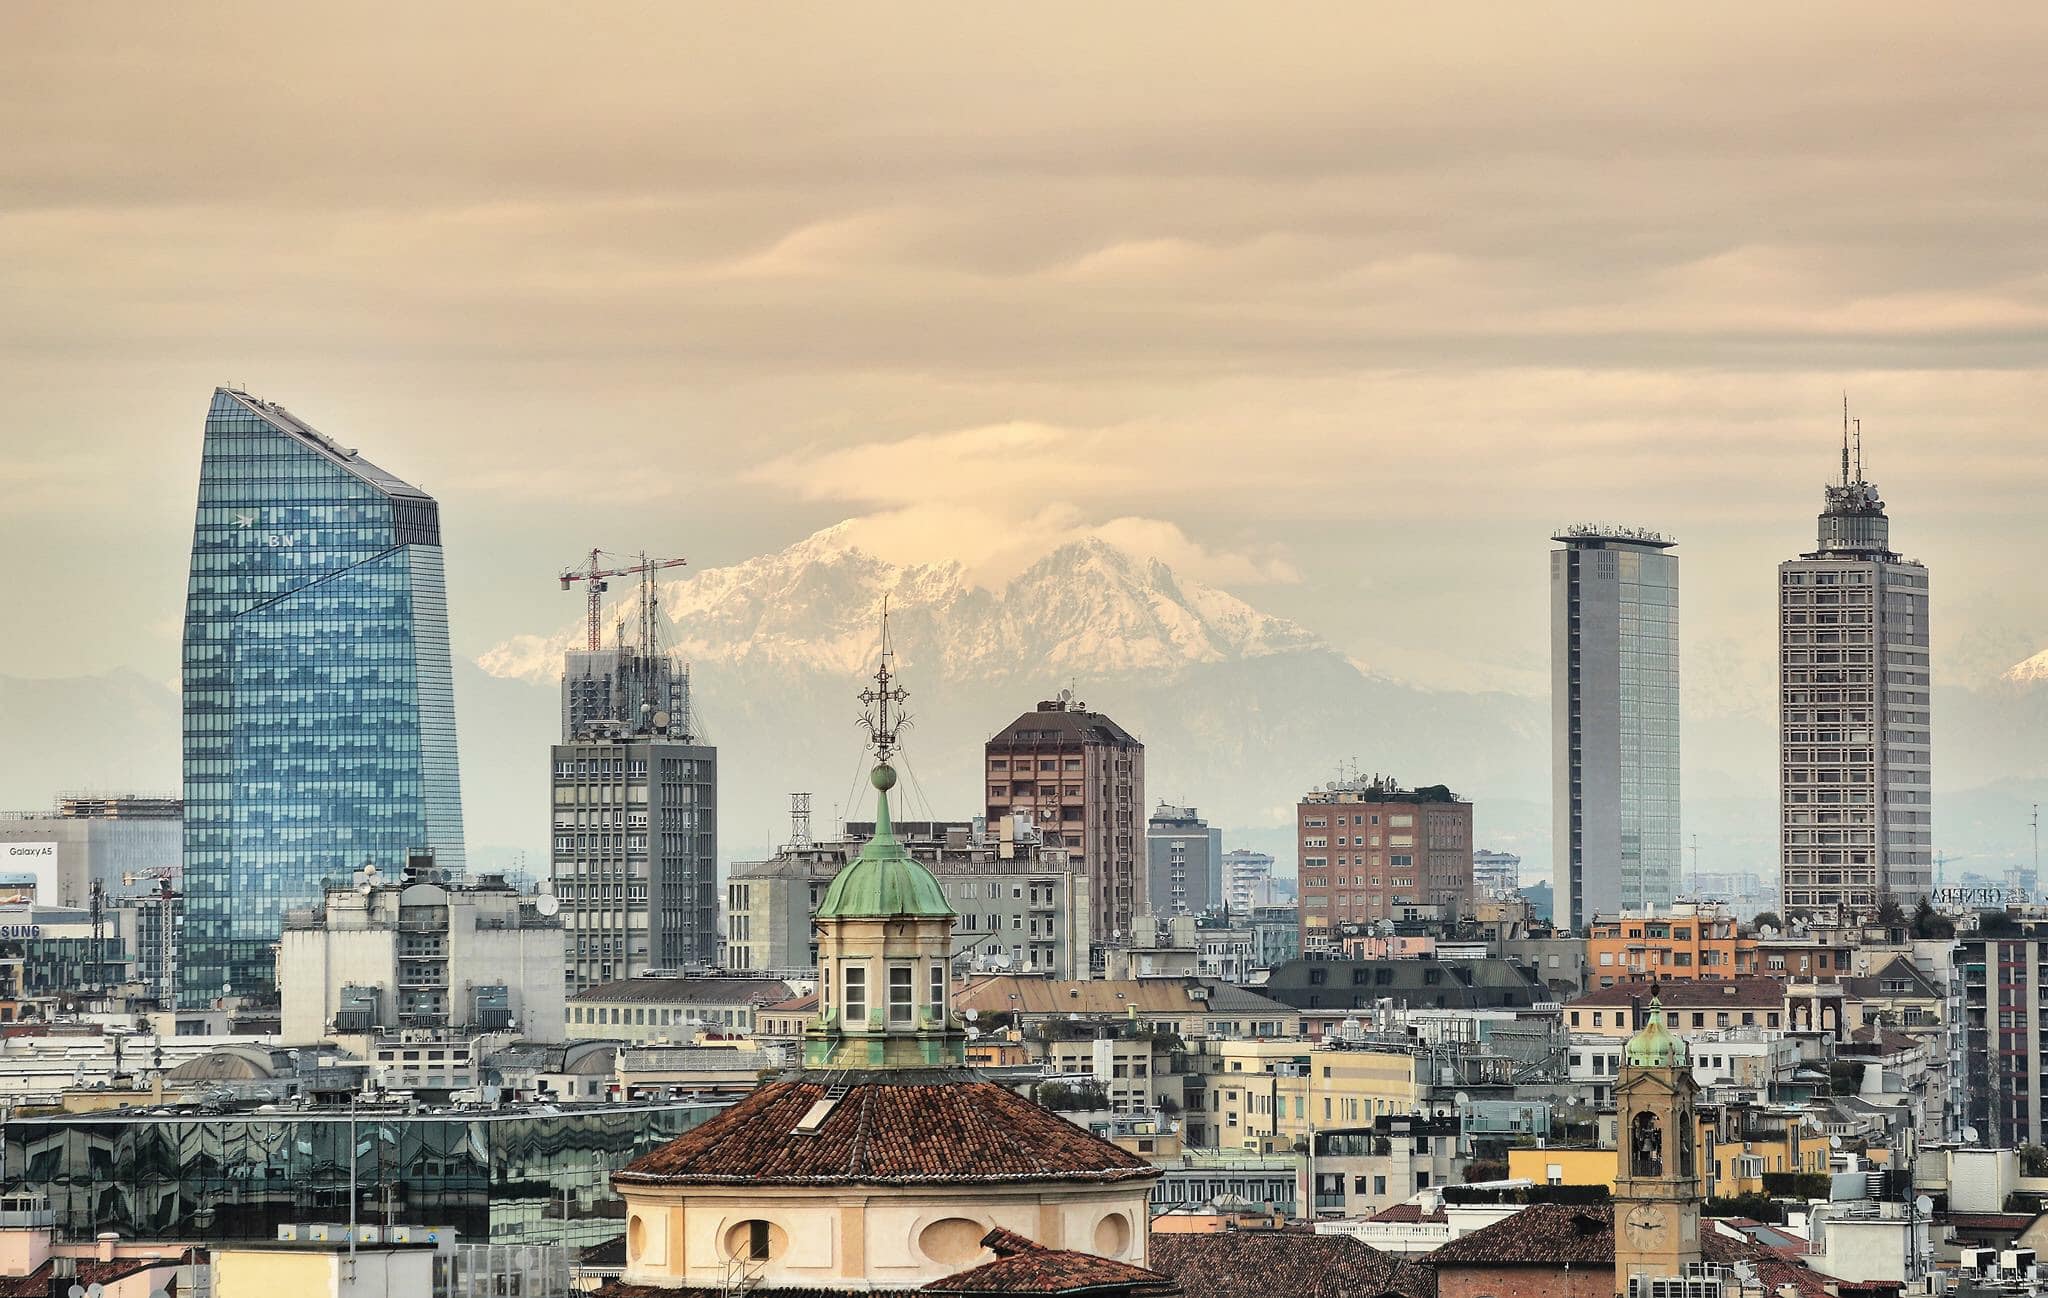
x=1679 y=943
x=1370 y=849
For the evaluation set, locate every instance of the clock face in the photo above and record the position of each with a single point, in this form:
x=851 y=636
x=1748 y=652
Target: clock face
x=1644 y=1226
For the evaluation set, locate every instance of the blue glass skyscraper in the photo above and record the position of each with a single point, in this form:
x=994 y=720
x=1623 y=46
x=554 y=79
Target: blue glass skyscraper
x=319 y=696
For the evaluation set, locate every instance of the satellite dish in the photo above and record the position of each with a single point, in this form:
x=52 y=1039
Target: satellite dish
x=1461 y=1099
x=76 y=1291
x=547 y=903
x=1834 y=1142
x=1970 y=1134
x=661 y=720
x=95 y=1291
x=1923 y=1205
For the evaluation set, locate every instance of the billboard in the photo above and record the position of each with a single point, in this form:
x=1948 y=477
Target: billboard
x=28 y=873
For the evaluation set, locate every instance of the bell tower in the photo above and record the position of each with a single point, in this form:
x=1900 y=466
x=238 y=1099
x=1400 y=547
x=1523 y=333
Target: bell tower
x=1657 y=1185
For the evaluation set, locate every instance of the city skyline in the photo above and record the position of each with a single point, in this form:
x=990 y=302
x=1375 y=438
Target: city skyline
x=765 y=324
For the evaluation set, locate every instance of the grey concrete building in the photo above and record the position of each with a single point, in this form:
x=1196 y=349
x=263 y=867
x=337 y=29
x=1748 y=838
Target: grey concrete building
x=1021 y=905
x=1614 y=720
x=123 y=842
x=1184 y=863
x=390 y=956
x=635 y=853
x=1855 y=798
x=1079 y=779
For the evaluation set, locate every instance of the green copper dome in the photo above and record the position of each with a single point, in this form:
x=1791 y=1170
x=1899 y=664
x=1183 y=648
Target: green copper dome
x=884 y=881
x=1656 y=1046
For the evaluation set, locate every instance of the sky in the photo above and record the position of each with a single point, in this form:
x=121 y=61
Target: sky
x=1344 y=308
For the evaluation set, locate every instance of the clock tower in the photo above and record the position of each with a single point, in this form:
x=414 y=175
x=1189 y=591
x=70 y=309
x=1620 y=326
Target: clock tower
x=1657 y=1185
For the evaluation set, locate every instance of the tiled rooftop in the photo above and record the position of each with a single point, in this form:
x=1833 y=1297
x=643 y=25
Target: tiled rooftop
x=1253 y=1263
x=899 y=1127
x=1023 y=1266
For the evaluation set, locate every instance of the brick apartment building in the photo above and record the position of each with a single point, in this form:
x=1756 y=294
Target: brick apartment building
x=1078 y=778
x=1370 y=849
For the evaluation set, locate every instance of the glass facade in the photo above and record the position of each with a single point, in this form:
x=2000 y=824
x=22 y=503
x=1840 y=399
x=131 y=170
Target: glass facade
x=1614 y=721
x=1647 y=676
x=494 y=1177
x=318 y=692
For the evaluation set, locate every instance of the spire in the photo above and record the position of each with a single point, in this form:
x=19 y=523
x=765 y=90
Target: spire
x=884 y=879
x=883 y=724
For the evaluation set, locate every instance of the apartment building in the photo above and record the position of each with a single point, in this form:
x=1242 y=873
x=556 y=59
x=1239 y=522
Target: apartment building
x=1369 y=848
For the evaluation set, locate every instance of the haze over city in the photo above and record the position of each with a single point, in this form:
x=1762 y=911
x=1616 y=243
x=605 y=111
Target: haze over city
x=1341 y=312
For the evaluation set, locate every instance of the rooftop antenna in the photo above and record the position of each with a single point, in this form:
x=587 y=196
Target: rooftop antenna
x=1859 y=450
x=799 y=820
x=1845 y=437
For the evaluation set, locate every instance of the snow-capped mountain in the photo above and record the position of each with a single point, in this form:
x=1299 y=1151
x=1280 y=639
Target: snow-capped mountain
x=1087 y=608
x=2032 y=671
x=1239 y=710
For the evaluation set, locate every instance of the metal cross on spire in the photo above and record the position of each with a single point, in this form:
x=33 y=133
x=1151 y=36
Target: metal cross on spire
x=884 y=715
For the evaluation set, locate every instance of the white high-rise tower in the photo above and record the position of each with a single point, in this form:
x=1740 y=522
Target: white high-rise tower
x=1854 y=766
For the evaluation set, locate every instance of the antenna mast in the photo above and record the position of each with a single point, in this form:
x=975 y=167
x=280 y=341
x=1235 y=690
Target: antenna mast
x=799 y=820
x=1845 y=438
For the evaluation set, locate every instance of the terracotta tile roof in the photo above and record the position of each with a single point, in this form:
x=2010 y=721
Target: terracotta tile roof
x=1542 y=1234
x=894 y=1127
x=1255 y=1263
x=1408 y=1212
x=1992 y=1221
x=1718 y=994
x=91 y=1271
x=1558 y=1235
x=1024 y=1266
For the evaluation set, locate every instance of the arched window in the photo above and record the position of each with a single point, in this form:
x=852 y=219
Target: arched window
x=1646 y=1146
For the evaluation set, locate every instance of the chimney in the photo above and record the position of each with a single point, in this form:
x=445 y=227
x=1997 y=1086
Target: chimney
x=106 y=1241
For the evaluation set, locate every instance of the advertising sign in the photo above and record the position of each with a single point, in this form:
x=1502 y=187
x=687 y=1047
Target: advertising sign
x=28 y=873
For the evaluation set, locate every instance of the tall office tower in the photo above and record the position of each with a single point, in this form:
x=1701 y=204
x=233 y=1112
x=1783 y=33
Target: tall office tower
x=1080 y=777
x=1853 y=673
x=1613 y=721
x=622 y=685
x=635 y=857
x=1371 y=850
x=1184 y=862
x=319 y=698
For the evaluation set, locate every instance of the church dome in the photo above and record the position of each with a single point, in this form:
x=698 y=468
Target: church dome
x=1656 y=1046
x=884 y=881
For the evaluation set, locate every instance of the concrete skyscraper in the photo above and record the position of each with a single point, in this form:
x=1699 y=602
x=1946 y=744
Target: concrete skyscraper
x=1614 y=721
x=318 y=695
x=1184 y=862
x=1854 y=765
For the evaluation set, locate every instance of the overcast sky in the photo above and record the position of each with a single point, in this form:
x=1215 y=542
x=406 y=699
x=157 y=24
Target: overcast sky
x=1343 y=308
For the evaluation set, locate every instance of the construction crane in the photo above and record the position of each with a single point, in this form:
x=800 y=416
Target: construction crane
x=595 y=576
x=166 y=926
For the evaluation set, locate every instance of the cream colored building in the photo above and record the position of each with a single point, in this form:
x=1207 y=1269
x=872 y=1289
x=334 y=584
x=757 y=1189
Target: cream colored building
x=322 y=1270
x=1266 y=1094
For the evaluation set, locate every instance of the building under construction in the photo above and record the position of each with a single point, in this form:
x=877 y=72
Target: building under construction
x=633 y=860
